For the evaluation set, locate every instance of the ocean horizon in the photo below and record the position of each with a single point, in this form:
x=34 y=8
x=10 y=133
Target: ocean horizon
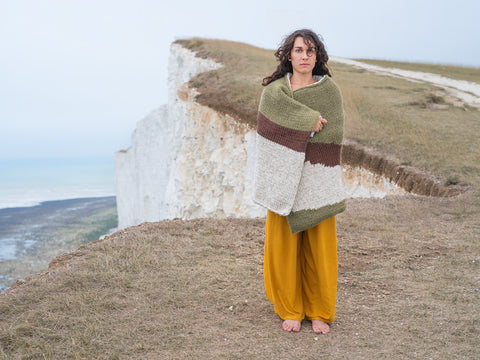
x=29 y=182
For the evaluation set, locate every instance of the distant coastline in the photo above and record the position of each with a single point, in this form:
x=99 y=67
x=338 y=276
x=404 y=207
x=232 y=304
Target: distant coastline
x=29 y=182
x=47 y=202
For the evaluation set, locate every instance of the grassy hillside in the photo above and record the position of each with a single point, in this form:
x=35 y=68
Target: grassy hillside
x=408 y=266
x=396 y=116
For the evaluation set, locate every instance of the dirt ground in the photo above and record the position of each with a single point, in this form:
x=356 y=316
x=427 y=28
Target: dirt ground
x=408 y=288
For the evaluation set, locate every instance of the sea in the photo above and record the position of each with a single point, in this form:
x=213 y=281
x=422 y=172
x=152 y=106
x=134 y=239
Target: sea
x=28 y=182
x=41 y=199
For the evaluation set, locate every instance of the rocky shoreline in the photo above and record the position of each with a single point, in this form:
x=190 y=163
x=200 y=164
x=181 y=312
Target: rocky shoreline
x=30 y=237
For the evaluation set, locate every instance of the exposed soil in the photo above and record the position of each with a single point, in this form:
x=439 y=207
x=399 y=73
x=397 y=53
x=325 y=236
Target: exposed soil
x=409 y=178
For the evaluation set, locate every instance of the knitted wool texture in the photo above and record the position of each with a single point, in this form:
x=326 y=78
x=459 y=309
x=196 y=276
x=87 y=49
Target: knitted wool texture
x=298 y=175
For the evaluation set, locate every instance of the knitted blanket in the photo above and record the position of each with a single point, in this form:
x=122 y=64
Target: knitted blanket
x=296 y=174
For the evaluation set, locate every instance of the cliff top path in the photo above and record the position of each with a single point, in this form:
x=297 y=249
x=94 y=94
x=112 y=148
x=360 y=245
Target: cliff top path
x=408 y=265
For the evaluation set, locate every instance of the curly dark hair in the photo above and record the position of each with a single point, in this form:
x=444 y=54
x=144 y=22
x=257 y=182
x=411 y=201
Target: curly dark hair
x=283 y=53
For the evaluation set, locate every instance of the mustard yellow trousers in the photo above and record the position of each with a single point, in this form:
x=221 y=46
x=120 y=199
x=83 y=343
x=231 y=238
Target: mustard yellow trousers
x=300 y=270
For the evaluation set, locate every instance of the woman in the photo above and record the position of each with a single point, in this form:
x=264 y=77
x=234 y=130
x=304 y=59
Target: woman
x=298 y=179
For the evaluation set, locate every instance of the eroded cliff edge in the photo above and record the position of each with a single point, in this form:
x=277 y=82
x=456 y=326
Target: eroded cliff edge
x=188 y=160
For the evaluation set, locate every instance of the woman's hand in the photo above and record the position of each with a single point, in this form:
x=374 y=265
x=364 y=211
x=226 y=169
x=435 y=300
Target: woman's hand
x=319 y=125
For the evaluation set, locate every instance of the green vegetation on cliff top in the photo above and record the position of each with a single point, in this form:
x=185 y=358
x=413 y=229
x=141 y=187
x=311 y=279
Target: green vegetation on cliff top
x=398 y=117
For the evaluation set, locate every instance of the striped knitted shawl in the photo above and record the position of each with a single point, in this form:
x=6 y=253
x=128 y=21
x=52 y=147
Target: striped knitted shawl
x=298 y=175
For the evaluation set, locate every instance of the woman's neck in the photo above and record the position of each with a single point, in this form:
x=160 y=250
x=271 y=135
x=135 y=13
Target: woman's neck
x=300 y=80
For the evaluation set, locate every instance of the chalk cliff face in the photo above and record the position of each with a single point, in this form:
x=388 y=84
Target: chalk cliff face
x=188 y=161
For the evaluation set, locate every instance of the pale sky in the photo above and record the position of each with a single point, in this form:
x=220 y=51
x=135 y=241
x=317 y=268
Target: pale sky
x=76 y=75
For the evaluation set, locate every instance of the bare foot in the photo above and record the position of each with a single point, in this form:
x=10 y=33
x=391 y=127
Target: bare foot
x=319 y=327
x=291 y=325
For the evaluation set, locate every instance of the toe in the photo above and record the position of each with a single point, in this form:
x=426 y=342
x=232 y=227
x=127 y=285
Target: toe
x=319 y=327
x=291 y=325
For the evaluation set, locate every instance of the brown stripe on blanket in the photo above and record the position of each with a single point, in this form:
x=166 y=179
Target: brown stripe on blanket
x=325 y=154
x=293 y=139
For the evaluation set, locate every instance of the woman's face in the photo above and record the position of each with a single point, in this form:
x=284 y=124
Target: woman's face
x=303 y=56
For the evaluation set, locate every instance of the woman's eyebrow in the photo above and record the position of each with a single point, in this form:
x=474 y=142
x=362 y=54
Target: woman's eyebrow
x=308 y=47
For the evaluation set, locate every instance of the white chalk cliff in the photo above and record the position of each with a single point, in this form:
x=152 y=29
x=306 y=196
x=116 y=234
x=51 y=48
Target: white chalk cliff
x=188 y=161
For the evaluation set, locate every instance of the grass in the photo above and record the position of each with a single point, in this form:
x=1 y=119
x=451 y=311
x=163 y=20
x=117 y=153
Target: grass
x=194 y=289
x=408 y=266
x=383 y=112
x=390 y=114
x=234 y=90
